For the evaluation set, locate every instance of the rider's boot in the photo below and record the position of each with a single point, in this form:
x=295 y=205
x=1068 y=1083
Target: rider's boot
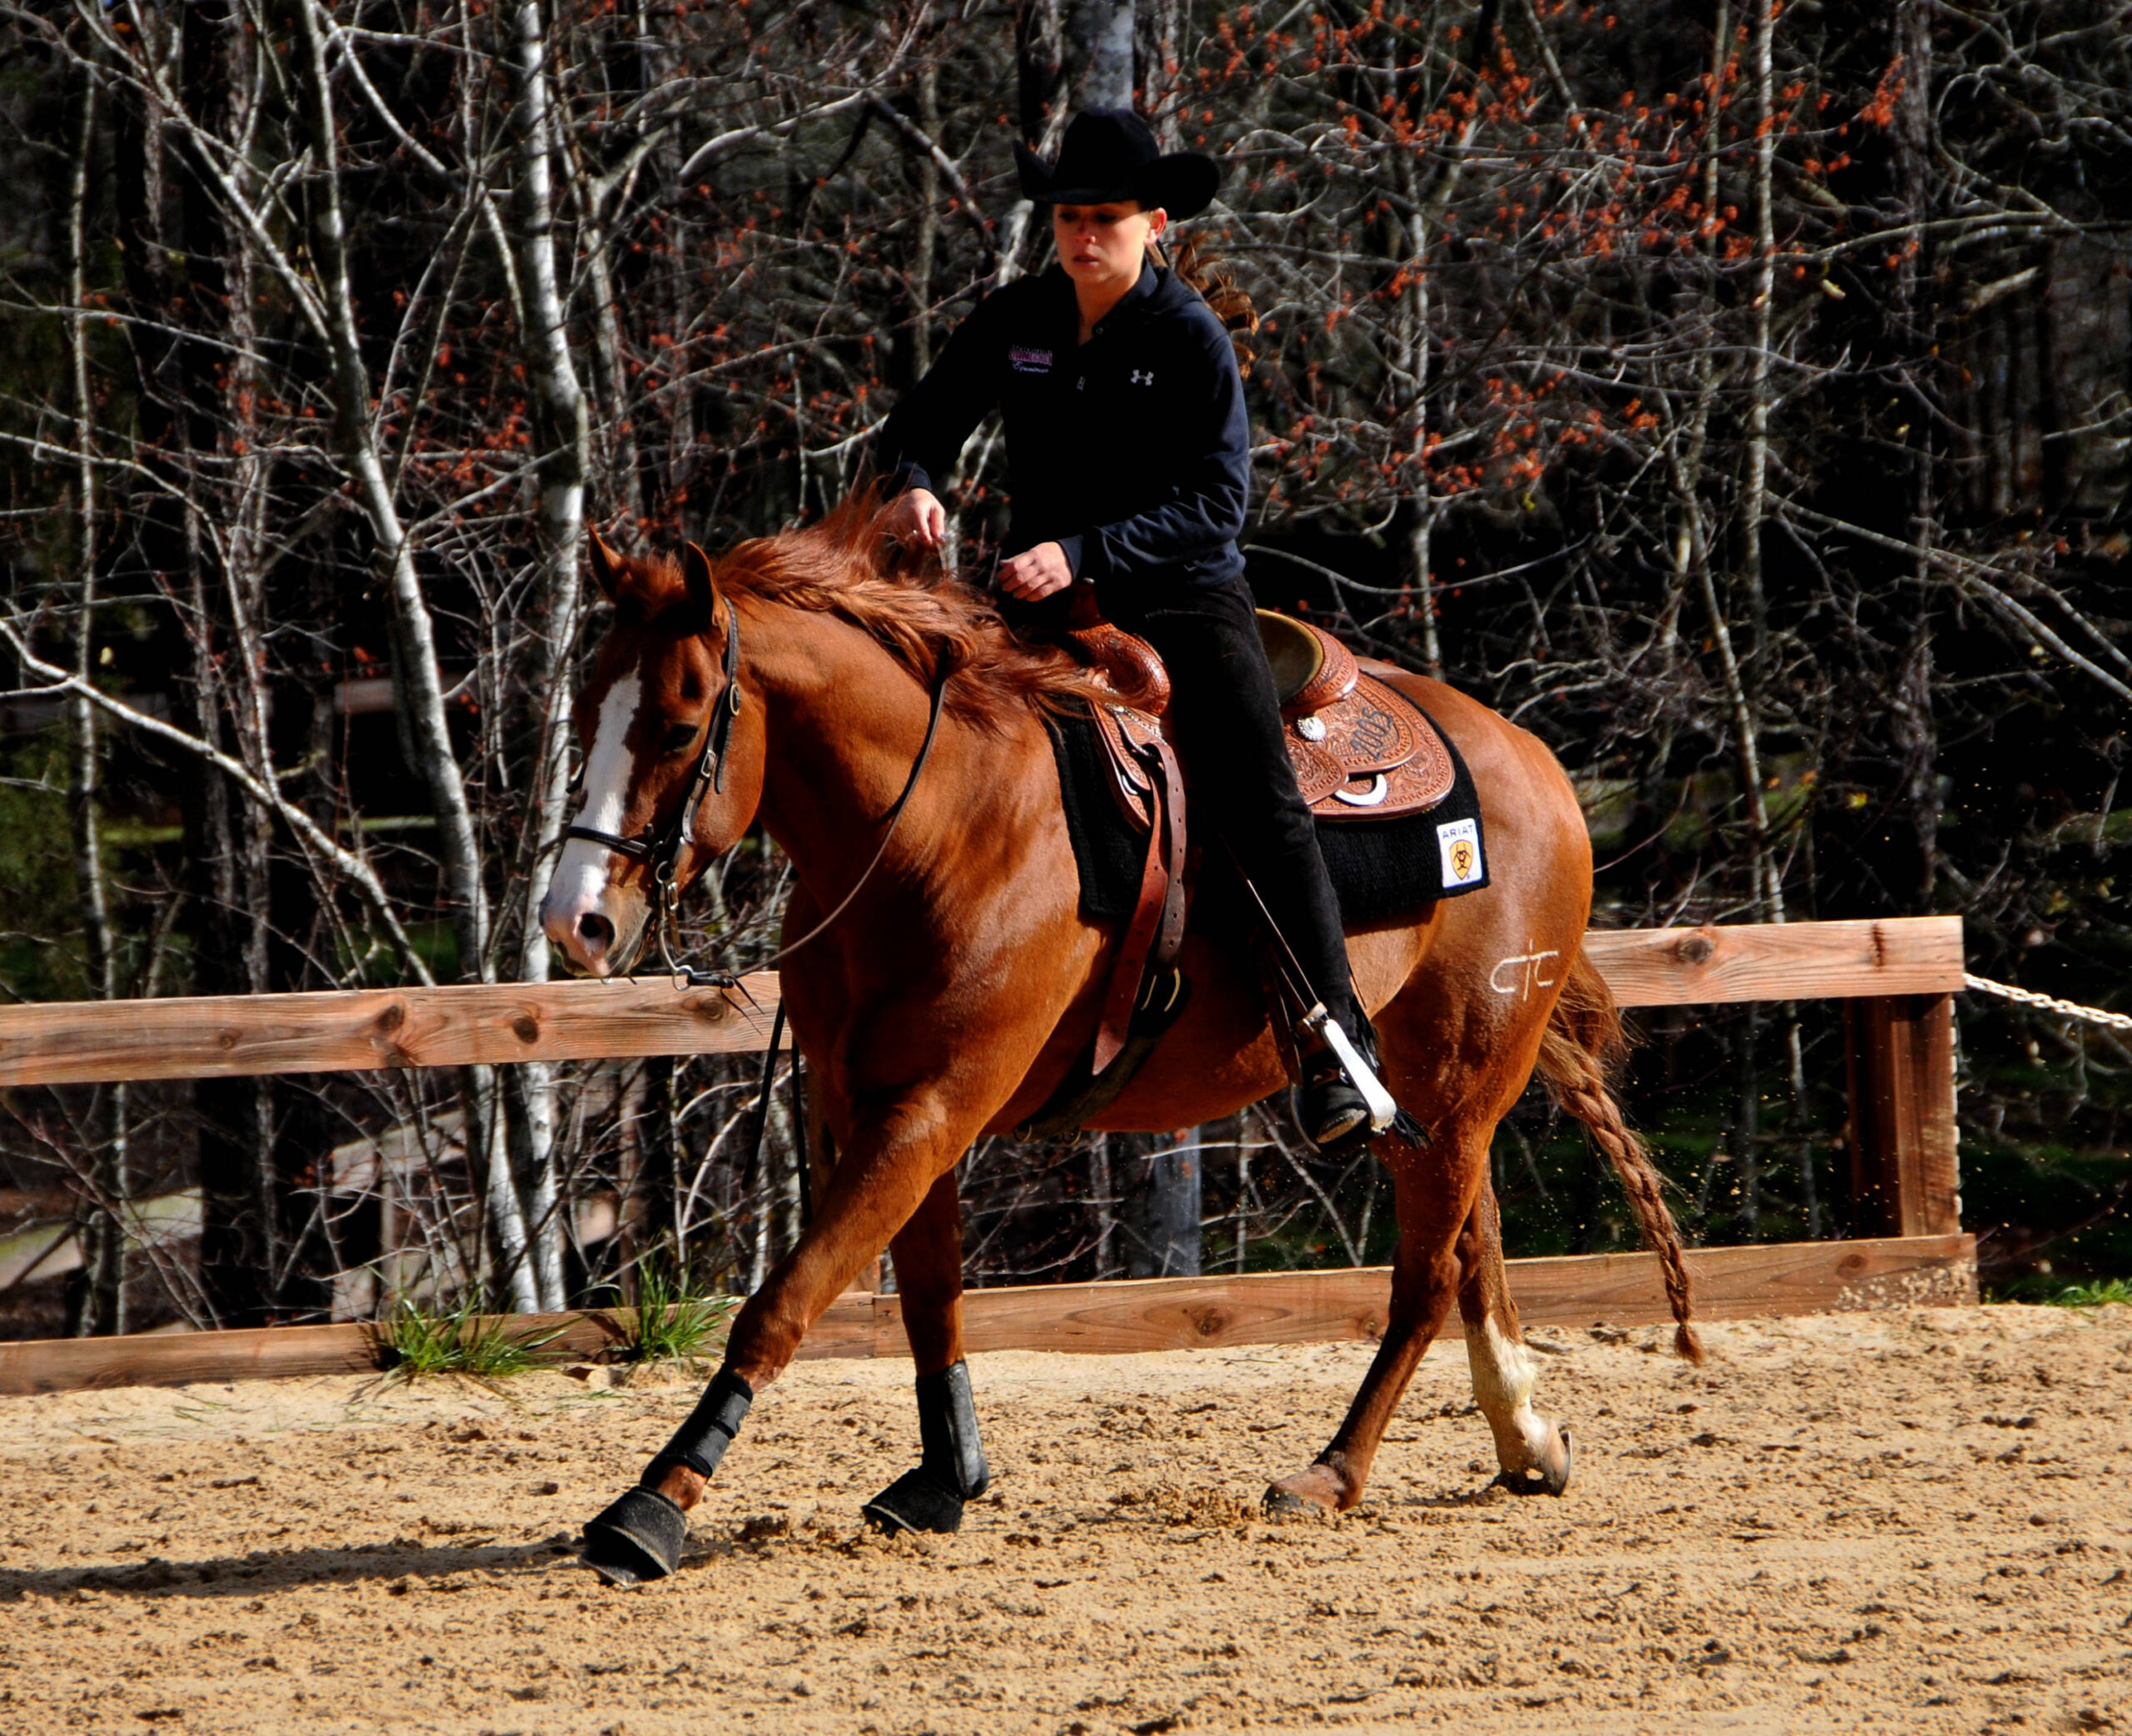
x=1330 y=1108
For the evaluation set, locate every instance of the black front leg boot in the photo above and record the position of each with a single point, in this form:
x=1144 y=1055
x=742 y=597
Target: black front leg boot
x=951 y=1470
x=639 y=1537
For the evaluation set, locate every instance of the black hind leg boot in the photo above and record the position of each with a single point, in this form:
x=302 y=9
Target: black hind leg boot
x=639 y=1537
x=952 y=1468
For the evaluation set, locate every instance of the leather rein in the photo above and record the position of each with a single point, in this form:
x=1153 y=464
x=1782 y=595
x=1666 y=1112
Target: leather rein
x=662 y=846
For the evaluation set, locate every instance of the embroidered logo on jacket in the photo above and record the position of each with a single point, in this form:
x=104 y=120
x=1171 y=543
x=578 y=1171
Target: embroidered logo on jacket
x=1144 y=376
x=1025 y=360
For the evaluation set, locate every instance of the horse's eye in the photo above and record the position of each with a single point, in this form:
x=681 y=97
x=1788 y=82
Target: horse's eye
x=678 y=738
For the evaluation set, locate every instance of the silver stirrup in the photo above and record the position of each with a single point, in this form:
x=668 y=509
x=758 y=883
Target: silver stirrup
x=1322 y=1024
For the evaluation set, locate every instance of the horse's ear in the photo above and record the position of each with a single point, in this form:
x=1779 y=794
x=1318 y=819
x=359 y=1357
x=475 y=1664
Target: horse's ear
x=703 y=589
x=606 y=565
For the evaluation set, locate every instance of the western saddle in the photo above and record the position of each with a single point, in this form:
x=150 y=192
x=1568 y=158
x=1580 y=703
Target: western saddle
x=1361 y=751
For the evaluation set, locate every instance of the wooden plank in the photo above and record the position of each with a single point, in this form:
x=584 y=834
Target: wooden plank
x=1905 y=1176
x=78 y=1042
x=175 y=1359
x=1170 y=1314
x=1793 y=1277
x=852 y=1327
x=1774 y=962
x=208 y=1037
x=1153 y=1314
x=1178 y=1314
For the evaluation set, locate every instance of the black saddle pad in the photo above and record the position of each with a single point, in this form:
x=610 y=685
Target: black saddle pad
x=1380 y=868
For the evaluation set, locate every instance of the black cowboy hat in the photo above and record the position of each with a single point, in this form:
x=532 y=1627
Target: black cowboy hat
x=1111 y=154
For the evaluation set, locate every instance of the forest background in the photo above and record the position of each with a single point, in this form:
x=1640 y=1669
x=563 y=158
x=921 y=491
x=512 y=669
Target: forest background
x=1735 y=395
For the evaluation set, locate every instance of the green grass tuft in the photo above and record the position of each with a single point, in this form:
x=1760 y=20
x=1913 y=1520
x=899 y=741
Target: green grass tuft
x=676 y=1320
x=2043 y=1289
x=2099 y=1294
x=464 y=1342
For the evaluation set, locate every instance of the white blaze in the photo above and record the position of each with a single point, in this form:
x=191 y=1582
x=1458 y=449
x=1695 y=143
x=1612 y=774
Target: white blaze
x=581 y=870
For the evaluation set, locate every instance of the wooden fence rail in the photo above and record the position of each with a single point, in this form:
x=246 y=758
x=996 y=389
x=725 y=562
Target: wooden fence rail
x=1107 y=1319
x=82 y=1043
x=1897 y=976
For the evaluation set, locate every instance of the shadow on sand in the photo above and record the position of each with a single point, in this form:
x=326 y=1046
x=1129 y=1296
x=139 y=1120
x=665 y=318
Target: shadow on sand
x=265 y=1570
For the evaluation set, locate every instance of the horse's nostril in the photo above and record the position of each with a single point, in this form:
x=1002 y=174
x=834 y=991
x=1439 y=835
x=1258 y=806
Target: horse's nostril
x=595 y=931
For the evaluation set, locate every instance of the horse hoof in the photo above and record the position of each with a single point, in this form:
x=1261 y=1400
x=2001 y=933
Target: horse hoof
x=914 y=1502
x=1318 y=1489
x=637 y=1539
x=1549 y=1478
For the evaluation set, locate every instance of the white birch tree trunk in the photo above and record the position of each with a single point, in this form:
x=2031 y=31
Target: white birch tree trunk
x=418 y=680
x=565 y=429
x=1100 y=40
x=102 y=1306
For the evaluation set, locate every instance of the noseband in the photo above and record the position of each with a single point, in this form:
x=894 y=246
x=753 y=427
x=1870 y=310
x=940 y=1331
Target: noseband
x=662 y=848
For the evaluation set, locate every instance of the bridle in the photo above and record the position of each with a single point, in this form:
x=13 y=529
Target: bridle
x=661 y=848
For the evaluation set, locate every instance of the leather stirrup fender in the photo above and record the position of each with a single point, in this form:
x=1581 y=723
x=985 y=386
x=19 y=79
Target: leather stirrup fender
x=1155 y=934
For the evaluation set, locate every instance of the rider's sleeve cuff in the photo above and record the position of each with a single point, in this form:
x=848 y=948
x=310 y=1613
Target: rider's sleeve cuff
x=1071 y=545
x=907 y=476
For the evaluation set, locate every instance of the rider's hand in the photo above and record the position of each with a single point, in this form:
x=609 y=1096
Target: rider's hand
x=1039 y=573
x=918 y=518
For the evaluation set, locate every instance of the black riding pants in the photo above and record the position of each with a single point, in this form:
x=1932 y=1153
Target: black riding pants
x=1227 y=723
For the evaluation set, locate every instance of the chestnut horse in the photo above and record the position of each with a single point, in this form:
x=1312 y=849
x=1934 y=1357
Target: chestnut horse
x=951 y=996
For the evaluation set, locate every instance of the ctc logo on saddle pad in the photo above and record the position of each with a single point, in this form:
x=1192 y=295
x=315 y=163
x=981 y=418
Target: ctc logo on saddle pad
x=1459 y=841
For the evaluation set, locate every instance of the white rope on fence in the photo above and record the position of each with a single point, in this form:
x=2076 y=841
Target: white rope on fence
x=2048 y=1004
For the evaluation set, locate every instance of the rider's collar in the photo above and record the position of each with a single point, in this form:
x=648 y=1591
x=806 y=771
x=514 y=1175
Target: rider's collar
x=1128 y=303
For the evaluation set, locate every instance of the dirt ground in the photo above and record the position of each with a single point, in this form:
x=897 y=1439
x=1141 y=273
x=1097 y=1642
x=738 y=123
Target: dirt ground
x=1921 y=1521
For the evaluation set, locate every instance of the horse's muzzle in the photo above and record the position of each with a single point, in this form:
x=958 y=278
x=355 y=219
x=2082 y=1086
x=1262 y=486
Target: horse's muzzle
x=586 y=932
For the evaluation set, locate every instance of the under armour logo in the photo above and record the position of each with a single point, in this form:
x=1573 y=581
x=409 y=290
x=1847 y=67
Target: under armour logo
x=1142 y=376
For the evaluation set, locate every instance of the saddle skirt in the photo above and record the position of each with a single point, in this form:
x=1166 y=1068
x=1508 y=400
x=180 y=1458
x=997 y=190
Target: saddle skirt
x=1361 y=749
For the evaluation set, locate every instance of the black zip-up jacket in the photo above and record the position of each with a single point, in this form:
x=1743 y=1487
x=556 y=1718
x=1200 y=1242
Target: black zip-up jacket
x=1132 y=452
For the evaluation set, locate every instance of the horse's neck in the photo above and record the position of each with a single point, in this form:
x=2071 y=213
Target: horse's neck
x=845 y=724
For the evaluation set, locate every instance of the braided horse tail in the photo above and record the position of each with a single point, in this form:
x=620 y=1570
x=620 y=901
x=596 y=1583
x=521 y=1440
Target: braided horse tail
x=1583 y=1043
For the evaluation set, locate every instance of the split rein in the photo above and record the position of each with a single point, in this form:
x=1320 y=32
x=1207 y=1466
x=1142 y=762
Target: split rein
x=662 y=848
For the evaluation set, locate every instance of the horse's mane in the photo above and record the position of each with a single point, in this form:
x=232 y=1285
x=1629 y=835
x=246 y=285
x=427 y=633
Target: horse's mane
x=921 y=615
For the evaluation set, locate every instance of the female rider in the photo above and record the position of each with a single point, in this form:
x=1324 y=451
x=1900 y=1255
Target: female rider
x=1129 y=457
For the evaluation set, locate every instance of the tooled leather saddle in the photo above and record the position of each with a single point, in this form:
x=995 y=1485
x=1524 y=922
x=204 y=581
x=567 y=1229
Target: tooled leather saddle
x=1361 y=751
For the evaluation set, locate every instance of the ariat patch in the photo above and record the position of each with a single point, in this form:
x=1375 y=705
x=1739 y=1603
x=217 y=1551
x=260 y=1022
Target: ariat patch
x=1026 y=360
x=1459 y=842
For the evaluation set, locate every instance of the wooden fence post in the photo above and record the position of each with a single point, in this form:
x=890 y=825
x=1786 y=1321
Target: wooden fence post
x=1904 y=1175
